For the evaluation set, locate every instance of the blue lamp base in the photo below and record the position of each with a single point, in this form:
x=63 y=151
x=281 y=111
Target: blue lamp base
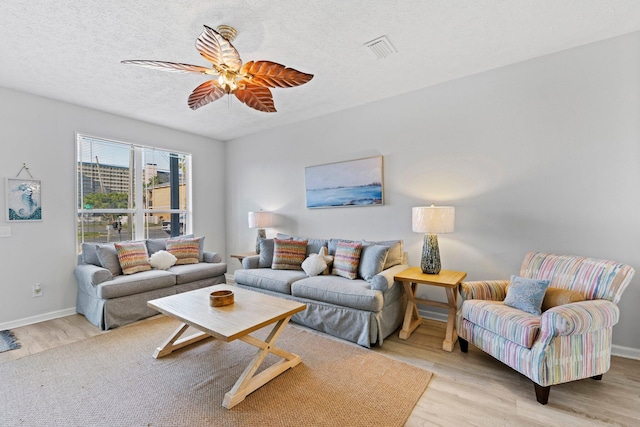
x=430 y=262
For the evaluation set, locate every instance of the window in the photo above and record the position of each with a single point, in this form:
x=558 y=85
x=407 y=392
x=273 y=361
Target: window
x=130 y=192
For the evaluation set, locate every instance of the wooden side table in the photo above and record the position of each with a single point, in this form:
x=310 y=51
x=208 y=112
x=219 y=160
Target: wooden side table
x=449 y=280
x=242 y=255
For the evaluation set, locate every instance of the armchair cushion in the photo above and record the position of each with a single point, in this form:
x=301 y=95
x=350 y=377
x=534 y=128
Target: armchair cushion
x=510 y=323
x=526 y=294
x=555 y=297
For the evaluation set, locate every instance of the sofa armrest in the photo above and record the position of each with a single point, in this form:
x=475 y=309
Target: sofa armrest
x=579 y=317
x=384 y=280
x=90 y=274
x=213 y=257
x=251 y=262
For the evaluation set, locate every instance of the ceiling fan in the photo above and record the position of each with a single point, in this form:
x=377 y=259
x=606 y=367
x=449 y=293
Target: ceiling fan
x=249 y=82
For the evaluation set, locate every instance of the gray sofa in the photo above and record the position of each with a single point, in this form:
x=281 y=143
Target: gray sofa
x=109 y=299
x=359 y=310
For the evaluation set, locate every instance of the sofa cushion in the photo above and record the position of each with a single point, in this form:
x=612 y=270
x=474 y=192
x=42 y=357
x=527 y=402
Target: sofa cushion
x=347 y=259
x=135 y=283
x=288 y=254
x=372 y=261
x=510 y=323
x=332 y=245
x=340 y=291
x=396 y=251
x=266 y=253
x=266 y=278
x=314 y=265
x=192 y=272
x=315 y=245
x=187 y=251
x=90 y=254
x=155 y=245
x=526 y=294
x=133 y=257
x=162 y=260
x=108 y=257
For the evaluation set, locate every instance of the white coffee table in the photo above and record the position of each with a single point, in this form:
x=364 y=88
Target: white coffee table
x=250 y=312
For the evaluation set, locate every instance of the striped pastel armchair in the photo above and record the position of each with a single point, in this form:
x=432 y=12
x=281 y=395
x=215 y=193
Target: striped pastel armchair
x=566 y=342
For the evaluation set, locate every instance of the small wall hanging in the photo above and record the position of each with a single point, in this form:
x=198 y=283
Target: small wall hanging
x=23 y=198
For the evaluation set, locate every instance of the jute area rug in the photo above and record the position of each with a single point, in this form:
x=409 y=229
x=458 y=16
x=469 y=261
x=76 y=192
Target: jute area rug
x=113 y=380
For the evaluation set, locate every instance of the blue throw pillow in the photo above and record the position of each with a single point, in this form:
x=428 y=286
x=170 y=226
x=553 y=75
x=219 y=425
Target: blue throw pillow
x=526 y=294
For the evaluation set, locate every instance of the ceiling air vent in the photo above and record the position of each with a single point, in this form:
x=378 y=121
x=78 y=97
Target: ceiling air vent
x=380 y=47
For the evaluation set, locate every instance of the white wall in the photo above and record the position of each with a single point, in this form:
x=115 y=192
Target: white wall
x=41 y=133
x=542 y=156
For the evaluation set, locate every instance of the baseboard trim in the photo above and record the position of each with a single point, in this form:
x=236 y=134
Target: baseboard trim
x=616 y=350
x=626 y=352
x=37 y=319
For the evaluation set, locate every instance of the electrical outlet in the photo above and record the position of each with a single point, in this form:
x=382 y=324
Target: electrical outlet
x=37 y=290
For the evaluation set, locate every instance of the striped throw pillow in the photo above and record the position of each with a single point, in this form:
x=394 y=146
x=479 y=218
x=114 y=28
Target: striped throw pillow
x=288 y=254
x=346 y=259
x=185 y=250
x=133 y=257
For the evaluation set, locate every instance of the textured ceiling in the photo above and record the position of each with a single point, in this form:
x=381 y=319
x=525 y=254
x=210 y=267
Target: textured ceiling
x=71 y=50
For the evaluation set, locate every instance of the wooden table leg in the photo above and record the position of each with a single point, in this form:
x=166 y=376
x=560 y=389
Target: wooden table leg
x=412 y=318
x=247 y=382
x=451 y=336
x=173 y=343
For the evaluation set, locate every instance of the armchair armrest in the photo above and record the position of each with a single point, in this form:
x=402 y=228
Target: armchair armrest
x=213 y=257
x=90 y=274
x=251 y=262
x=491 y=290
x=579 y=318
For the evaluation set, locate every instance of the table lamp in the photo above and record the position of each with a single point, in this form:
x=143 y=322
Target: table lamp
x=260 y=220
x=432 y=220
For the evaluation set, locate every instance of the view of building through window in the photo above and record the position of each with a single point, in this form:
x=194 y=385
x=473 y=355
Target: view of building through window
x=130 y=192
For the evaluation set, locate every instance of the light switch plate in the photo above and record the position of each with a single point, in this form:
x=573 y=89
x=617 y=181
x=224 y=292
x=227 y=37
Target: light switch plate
x=5 y=231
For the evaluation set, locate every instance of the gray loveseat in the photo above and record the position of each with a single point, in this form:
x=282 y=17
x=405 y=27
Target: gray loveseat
x=364 y=310
x=109 y=299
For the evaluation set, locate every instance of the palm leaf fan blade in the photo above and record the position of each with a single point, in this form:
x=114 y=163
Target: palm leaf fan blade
x=172 y=67
x=256 y=97
x=218 y=50
x=272 y=74
x=204 y=94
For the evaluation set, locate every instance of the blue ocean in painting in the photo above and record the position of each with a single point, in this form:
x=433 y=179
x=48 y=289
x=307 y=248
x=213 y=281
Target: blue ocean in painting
x=345 y=196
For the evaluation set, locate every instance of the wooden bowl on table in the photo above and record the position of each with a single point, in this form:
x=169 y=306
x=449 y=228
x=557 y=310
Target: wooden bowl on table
x=220 y=298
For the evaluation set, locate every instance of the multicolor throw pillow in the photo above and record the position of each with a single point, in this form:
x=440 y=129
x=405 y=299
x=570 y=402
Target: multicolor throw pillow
x=346 y=259
x=526 y=294
x=185 y=250
x=288 y=254
x=133 y=257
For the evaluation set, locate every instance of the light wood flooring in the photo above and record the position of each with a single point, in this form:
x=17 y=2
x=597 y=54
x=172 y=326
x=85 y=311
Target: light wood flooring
x=470 y=389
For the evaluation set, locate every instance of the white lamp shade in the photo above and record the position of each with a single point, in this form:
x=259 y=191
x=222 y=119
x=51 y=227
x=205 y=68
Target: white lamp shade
x=260 y=219
x=433 y=219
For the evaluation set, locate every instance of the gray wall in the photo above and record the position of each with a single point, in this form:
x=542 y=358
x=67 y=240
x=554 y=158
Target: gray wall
x=538 y=156
x=41 y=133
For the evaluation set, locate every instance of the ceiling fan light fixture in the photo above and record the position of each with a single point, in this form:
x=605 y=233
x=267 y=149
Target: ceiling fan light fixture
x=250 y=82
x=228 y=32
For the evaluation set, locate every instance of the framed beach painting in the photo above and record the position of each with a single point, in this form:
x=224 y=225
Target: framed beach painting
x=342 y=184
x=23 y=199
